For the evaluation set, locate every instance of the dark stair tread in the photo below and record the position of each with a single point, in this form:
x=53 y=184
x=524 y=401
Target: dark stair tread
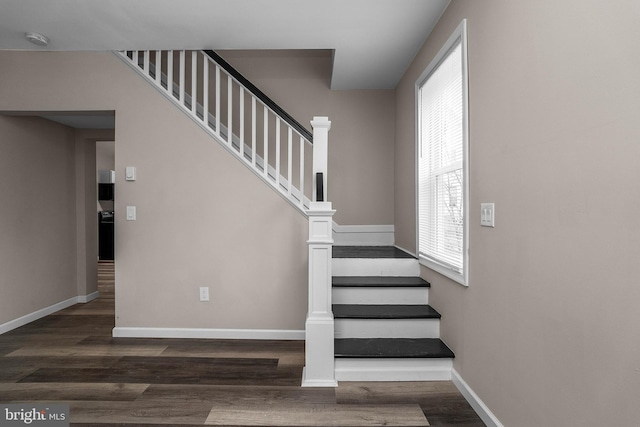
x=380 y=311
x=381 y=281
x=369 y=252
x=391 y=348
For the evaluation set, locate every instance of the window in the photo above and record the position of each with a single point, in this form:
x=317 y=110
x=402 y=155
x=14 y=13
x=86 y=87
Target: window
x=442 y=160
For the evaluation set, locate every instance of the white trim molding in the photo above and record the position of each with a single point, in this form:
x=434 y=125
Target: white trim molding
x=39 y=314
x=88 y=298
x=204 y=333
x=306 y=382
x=363 y=235
x=437 y=259
x=474 y=400
x=319 y=326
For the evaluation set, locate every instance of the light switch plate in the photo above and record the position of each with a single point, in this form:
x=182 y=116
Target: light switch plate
x=487 y=214
x=130 y=173
x=131 y=213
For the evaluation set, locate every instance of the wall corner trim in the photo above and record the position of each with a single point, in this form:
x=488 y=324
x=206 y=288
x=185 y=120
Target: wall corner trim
x=474 y=400
x=31 y=317
x=203 y=333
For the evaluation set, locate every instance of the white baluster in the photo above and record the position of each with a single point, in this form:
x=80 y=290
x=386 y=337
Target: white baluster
x=278 y=152
x=289 y=160
x=302 y=143
x=158 y=68
x=205 y=91
x=241 y=109
x=145 y=62
x=265 y=144
x=194 y=82
x=134 y=58
x=170 y=73
x=181 y=82
x=253 y=131
x=229 y=110
x=218 y=100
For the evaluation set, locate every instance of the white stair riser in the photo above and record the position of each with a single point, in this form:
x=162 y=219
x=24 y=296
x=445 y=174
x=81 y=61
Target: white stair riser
x=387 y=328
x=375 y=267
x=356 y=369
x=413 y=296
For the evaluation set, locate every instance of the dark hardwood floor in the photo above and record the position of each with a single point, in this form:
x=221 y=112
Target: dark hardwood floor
x=70 y=357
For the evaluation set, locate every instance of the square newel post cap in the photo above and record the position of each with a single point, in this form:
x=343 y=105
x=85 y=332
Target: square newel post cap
x=321 y=122
x=324 y=207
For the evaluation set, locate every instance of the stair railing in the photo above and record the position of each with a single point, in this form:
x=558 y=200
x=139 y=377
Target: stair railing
x=276 y=148
x=241 y=117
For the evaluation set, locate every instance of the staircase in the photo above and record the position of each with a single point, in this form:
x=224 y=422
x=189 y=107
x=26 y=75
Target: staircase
x=384 y=328
x=368 y=315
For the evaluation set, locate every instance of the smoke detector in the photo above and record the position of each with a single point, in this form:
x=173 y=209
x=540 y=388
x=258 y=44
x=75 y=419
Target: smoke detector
x=37 y=38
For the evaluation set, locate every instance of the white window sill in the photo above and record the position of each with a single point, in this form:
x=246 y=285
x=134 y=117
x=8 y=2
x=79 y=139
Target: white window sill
x=447 y=272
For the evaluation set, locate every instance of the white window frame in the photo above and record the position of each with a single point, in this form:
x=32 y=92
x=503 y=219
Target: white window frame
x=458 y=36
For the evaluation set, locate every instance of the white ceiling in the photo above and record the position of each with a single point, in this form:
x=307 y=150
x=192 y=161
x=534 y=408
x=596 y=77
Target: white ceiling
x=374 y=40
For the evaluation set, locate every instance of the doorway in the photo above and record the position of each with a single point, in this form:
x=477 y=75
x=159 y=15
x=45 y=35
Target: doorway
x=105 y=174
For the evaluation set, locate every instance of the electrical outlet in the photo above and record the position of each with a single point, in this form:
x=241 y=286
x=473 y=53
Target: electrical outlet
x=204 y=293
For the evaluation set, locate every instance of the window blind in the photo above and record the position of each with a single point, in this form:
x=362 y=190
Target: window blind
x=440 y=163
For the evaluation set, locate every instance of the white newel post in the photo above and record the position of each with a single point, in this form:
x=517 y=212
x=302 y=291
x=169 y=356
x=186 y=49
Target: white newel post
x=321 y=126
x=319 y=329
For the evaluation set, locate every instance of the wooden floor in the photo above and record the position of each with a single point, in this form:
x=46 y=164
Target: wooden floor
x=71 y=357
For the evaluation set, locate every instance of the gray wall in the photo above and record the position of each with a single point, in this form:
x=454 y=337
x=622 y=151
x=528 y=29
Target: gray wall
x=203 y=218
x=48 y=210
x=37 y=212
x=547 y=332
x=361 y=138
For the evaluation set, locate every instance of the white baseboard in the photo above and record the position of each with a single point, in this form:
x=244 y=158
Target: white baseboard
x=202 y=333
x=28 y=318
x=363 y=235
x=474 y=400
x=88 y=298
x=316 y=383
